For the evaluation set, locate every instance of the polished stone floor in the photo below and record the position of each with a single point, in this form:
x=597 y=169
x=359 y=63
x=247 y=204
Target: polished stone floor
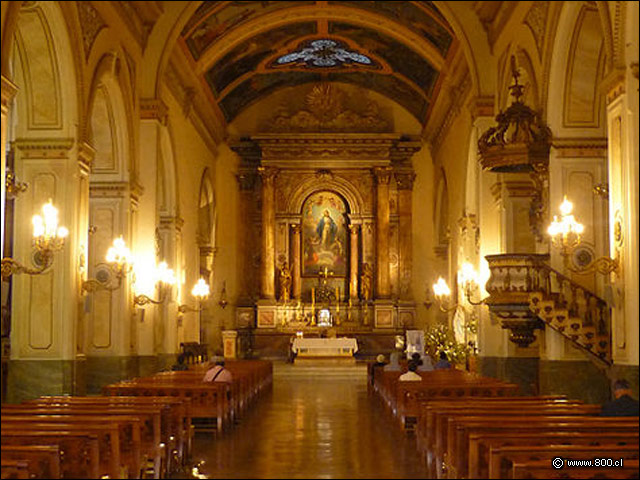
x=312 y=424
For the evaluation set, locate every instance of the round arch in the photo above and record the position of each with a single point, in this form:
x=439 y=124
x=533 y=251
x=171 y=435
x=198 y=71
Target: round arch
x=353 y=198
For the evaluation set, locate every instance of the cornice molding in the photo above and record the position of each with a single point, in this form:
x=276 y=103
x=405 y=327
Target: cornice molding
x=53 y=148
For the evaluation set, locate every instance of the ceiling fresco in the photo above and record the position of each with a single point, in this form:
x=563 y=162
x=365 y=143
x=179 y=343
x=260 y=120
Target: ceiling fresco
x=304 y=42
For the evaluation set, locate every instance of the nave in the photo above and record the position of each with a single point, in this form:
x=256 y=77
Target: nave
x=311 y=425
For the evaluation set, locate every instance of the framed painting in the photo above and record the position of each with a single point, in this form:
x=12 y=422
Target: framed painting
x=324 y=235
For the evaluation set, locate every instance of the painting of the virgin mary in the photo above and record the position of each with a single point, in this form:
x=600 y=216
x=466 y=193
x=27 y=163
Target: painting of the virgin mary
x=324 y=234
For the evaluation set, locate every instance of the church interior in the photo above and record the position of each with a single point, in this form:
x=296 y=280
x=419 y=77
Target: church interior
x=256 y=180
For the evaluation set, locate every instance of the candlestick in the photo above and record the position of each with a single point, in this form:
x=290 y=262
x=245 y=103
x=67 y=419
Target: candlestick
x=337 y=299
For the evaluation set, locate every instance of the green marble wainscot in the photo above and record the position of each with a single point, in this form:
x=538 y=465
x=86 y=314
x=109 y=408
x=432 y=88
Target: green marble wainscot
x=29 y=379
x=519 y=370
x=579 y=380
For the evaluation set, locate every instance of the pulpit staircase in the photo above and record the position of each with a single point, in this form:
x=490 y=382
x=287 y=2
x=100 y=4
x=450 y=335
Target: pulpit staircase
x=573 y=311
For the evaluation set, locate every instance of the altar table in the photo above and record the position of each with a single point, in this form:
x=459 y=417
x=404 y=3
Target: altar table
x=325 y=347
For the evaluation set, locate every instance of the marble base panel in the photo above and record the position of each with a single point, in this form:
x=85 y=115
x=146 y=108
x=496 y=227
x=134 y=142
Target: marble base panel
x=102 y=371
x=579 y=380
x=29 y=379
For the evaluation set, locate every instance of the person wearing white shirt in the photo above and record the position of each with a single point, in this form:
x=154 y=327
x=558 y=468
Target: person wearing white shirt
x=411 y=375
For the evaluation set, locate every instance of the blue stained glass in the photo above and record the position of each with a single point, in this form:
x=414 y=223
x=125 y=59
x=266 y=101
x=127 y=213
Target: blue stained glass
x=324 y=53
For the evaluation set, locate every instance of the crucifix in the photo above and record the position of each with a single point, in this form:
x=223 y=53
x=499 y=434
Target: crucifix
x=325 y=274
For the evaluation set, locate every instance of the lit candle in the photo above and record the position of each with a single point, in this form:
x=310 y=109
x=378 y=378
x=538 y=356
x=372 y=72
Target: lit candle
x=337 y=299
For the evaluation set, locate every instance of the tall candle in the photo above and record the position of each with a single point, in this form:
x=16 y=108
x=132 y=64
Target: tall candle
x=337 y=299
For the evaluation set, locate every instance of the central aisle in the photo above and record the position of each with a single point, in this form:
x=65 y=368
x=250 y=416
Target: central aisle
x=315 y=423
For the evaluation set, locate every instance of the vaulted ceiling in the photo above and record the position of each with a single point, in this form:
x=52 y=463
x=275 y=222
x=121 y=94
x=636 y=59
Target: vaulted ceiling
x=244 y=51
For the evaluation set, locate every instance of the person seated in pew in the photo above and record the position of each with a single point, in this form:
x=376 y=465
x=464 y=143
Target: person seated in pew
x=624 y=405
x=411 y=375
x=425 y=365
x=443 y=363
x=217 y=372
x=394 y=363
x=180 y=365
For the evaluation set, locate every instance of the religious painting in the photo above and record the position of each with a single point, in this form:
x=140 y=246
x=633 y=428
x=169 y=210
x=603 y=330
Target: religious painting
x=324 y=234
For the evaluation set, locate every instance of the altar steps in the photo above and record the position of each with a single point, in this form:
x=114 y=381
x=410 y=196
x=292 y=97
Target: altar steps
x=328 y=370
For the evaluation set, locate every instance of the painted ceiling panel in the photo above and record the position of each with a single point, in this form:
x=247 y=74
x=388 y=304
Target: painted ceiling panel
x=213 y=21
x=411 y=16
x=248 y=55
x=401 y=59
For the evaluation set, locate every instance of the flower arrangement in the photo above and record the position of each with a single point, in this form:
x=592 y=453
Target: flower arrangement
x=440 y=338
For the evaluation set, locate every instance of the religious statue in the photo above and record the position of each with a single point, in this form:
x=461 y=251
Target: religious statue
x=285 y=283
x=366 y=282
x=326 y=230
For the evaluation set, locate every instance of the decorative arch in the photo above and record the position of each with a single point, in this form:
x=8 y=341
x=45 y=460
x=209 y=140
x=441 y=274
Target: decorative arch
x=206 y=212
x=441 y=217
x=344 y=188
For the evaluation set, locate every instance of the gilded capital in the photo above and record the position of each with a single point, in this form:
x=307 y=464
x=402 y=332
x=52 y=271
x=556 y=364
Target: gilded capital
x=268 y=174
x=383 y=175
x=154 y=109
x=353 y=228
x=246 y=181
x=405 y=180
x=296 y=228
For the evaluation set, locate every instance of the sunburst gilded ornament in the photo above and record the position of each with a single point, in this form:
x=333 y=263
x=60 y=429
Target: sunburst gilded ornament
x=323 y=53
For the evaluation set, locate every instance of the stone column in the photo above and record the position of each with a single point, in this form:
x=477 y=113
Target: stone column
x=246 y=183
x=268 y=261
x=353 y=268
x=383 y=177
x=296 y=261
x=405 y=190
x=8 y=92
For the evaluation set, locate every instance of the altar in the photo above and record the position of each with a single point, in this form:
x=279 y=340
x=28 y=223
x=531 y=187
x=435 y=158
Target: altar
x=336 y=349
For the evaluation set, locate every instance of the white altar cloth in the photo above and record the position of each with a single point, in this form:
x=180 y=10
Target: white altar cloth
x=325 y=347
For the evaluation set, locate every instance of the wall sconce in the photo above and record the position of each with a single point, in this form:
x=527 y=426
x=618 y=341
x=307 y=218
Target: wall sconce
x=164 y=278
x=468 y=278
x=13 y=187
x=566 y=236
x=201 y=292
x=223 y=295
x=48 y=238
x=119 y=262
x=442 y=290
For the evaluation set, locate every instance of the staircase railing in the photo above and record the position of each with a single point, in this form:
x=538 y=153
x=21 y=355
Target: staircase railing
x=524 y=290
x=573 y=311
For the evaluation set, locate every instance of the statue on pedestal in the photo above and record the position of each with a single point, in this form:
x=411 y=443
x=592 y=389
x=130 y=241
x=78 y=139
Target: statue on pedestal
x=285 y=283
x=366 y=282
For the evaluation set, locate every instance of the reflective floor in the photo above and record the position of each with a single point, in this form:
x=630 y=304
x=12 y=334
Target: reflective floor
x=311 y=426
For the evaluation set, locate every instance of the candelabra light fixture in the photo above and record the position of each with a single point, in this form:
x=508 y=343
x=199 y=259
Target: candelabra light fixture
x=48 y=238
x=164 y=279
x=566 y=235
x=441 y=291
x=223 y=295
x=12 y=186
x=469 y=279
x=200 y=291
x=119 y=263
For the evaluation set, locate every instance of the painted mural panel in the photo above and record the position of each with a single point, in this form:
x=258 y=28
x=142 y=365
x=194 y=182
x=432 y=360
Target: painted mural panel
x=216 y=23
x=401 y=59
x=413 y=17
x=324 y=234
x=255 y=87
x=247 y=56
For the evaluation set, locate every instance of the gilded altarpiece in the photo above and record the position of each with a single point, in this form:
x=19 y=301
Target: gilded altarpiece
x=324 y=230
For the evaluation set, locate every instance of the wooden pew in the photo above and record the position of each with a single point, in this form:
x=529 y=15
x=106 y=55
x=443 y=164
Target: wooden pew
x=15 y=469
x=542 y=469
x=140 y=437
x=44 y=460
x=79 y=451
x=502 y=458
x=179 y=421
x=458 y=457
x=110 y=435
x=437 y=413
